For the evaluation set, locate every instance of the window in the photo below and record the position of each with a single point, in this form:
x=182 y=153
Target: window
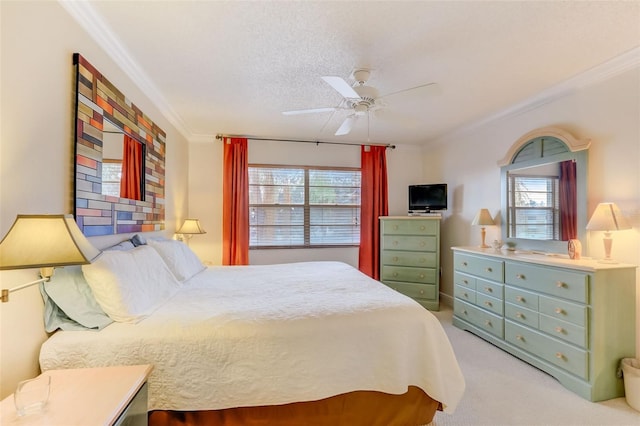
x=111 y=176
x=534 y=207
x=300 y=206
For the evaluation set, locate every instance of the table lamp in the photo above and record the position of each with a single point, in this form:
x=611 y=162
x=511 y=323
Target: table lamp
x=483 y=218
x=43 y=241
x=607 y=217
x=189 y=228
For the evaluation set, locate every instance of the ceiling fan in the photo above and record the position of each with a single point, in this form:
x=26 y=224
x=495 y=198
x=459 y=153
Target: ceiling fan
x=359 y=98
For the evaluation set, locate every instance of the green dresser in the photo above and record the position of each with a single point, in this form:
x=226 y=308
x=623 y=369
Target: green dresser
x=574 y=319
x=410 y=257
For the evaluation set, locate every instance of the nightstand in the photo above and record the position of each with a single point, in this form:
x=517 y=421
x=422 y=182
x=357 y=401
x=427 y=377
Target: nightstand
x=89 y=396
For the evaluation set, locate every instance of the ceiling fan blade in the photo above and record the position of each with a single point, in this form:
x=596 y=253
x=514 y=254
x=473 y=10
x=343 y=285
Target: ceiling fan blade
x=434 y=89
x=341 y=87
x=346 y=126
x=308 y=111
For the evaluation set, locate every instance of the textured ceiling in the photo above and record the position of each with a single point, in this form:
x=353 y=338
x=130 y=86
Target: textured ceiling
x=233 y=67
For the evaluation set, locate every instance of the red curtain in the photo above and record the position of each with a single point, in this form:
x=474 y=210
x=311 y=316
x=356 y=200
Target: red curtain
x=568 y=200
x=374 y=203
x=235 y=202
x=131 y=179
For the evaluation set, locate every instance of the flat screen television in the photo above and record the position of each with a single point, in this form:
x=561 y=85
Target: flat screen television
x=427 y=197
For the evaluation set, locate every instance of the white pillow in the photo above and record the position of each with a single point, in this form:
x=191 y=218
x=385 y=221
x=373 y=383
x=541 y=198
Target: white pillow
x=131 y=284
x=179 y=258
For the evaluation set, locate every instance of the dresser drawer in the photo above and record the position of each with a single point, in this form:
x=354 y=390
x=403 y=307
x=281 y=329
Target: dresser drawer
x=561 y=354
x=409 y=274
x=487 y=321
x=410 y=227
x=563 y=310
x=464 y=280
x=415 y=291
x=489 y=303
x=410 y=243
x=490 y=288
x=481 y=267
x=464 y=293
x=564 y=330
x=520 y=297
x=410 y=258
x=521 y=315
x=566 y=284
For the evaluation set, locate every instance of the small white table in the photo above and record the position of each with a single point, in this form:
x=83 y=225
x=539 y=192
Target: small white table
x=88 y=396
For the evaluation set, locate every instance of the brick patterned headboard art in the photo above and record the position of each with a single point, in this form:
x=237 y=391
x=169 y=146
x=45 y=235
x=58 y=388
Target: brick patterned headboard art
x=98 y=100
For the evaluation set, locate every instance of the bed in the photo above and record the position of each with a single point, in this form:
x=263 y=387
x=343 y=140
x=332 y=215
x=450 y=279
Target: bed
x=302 y=343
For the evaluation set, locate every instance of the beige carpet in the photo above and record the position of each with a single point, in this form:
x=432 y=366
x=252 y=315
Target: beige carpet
x=504 y=391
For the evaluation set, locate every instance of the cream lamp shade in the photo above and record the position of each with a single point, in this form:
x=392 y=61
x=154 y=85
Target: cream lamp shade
x=191 y=226
x=44 y=241
x=483 y=218
x=607 y=217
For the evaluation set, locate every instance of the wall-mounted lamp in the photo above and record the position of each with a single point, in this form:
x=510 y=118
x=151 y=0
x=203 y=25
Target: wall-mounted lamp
x=189 y=228
x=607 y=217
x=43 y=241
x=483 y=218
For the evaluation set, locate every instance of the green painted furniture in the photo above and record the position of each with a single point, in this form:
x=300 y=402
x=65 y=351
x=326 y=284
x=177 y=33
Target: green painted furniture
x=410 y=257
x=574 y=319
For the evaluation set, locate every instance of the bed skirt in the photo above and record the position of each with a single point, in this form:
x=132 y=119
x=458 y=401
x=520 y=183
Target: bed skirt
x=359 y=408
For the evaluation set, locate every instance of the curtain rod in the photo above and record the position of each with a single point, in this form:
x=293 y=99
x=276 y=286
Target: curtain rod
x=386 y=145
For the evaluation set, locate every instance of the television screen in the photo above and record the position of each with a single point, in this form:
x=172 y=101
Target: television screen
x=428 y=197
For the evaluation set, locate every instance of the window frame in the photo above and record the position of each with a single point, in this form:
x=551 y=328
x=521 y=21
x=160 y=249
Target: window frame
x=307 y=207
x=554 y=209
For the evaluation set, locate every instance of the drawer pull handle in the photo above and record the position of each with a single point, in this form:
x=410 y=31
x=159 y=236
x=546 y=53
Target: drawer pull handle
x=488 y=303
x=520 y=337
x=421 y=275
x=488 y=270
x=421 y=291
x=464 y=312
x=395 y=227
x=560 y=284
x=560 y=355
x=488 y=323
x=520 y=276
x=395 y=243
x=488 y=289
x=520 y=299
x=422 y=260
x=422 y=244
x=560 y=311
x=560 y=330
x=422 y=228
x=464 y=263
x=519 y=315
x=465 y=295
x=465 y=281
x=395 y=258
x=395 y=274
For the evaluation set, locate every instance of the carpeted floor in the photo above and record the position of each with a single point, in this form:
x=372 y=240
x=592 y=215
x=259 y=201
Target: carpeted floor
x=501 y=390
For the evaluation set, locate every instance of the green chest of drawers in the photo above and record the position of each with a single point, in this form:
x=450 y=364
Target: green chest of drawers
x=572 y=319
x=410 y=257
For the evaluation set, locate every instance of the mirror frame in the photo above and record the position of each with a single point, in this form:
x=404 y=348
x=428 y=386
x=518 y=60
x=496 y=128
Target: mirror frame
x=97 y=214
x=577 y=151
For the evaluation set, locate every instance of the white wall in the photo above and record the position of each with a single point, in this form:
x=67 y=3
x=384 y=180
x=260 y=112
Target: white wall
x=36 y=153
x=205 y=191
x=607 y=112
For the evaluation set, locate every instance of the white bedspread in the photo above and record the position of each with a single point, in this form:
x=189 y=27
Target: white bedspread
x=263 y=335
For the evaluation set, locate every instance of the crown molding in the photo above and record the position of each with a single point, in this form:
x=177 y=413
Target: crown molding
x=617 y=65
x=85 y=15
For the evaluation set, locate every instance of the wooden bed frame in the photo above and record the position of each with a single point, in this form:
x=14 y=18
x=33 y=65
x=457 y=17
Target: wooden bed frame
x=359 y=408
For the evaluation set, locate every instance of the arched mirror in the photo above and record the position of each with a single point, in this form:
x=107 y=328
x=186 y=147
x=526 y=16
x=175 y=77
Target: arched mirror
x=544 y=195
x=119 y=159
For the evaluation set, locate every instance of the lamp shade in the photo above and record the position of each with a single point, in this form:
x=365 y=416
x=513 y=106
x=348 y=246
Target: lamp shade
x=37 y=241
x=191 y=226
x=483 y=218
x=607 y=217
